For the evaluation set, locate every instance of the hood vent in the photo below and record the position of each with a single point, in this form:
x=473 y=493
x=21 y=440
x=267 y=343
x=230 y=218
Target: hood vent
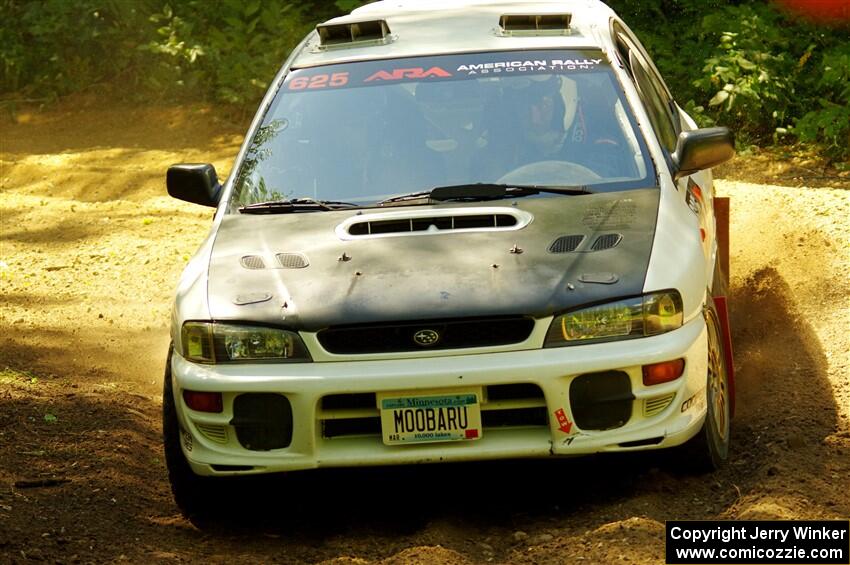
x=566 y=244
x=429 y=222
x=253 y=262
x=607 y=241
x=292 y=260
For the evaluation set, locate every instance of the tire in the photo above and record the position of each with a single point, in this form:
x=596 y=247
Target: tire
x=193 y=494
x=709 y=449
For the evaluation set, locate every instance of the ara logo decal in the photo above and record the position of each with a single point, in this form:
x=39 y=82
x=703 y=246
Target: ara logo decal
x=416 y=72
x=564 y=423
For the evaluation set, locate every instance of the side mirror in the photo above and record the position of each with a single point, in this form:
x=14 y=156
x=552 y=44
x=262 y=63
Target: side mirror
x=194 y=182
x=702 y=149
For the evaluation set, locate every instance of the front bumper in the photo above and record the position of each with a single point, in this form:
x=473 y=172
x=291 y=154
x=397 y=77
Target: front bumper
x=661 y=415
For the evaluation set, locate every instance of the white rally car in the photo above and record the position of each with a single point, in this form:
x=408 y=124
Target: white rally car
x=455 y=231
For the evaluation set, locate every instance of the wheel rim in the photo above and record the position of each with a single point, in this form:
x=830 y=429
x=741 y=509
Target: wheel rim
x=718 y=394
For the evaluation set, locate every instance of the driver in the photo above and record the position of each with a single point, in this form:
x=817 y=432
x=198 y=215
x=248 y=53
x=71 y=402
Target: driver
x=541 y=120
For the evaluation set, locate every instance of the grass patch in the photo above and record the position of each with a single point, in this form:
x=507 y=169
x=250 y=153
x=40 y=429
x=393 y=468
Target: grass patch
x=10 y=376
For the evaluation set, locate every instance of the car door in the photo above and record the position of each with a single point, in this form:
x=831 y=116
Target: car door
x=668 y=120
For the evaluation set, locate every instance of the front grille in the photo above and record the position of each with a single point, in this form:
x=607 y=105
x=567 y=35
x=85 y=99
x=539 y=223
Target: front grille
x=452 y=334
x=351 y=427
x=520 y=405
x=519 y=417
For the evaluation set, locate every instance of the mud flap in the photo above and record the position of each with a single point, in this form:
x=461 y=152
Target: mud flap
x=720 y=288
x=723 y=313
x=721 y=216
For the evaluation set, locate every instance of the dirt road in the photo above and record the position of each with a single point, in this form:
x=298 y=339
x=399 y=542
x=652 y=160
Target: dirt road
x=90 y=251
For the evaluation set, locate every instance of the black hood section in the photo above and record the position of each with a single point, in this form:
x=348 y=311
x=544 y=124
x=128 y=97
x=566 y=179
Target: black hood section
x=434 y=275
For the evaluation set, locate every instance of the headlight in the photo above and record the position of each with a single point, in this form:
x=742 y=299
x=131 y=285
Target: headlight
x=209 y=342
x=641 y=316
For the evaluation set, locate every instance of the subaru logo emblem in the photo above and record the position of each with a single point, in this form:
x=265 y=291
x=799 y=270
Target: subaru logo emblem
x=426 y=338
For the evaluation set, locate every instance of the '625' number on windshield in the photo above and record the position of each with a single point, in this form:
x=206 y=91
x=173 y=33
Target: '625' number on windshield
x=319 y=81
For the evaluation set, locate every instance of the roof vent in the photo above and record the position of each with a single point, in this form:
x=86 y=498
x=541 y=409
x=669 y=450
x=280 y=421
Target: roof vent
x=359 y=33
x=535 y=24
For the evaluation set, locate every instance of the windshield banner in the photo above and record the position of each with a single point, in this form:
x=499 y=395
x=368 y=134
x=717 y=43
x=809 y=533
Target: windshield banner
x=450 y=67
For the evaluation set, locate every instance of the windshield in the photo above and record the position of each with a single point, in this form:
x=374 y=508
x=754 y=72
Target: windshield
x=364 y=132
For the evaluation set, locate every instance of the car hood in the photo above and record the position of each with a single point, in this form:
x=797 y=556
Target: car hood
x=312 y=270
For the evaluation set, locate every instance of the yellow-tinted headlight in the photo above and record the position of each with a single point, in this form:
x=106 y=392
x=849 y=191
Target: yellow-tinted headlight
x=662 y=312
x=640 y=316
x=197 y=342
x=208 y=342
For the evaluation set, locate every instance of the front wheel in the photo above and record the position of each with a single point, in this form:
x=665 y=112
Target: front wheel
x=193 y=494
x=709 y=449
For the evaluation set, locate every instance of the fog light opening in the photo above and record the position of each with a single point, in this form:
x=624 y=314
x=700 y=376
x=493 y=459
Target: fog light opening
x=203 y=401
x=665 y=372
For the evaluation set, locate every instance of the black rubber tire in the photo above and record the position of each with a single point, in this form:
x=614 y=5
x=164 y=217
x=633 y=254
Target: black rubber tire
x=194 y=495
x=709 y=449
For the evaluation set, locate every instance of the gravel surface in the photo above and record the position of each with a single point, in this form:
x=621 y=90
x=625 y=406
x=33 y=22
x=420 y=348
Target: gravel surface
x=90 y=252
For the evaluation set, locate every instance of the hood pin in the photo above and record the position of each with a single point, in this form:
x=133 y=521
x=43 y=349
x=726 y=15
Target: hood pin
x=344 y=257
x=516 y=249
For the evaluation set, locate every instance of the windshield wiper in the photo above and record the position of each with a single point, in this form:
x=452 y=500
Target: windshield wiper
x=481 y=191
x=294 y=205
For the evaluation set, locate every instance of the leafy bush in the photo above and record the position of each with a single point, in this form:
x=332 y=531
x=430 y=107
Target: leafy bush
x=749 y=66
x=749 y=73
x=830 y=123
x=226 y=51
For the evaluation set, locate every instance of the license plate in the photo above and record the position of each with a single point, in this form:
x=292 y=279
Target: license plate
x=424 y=417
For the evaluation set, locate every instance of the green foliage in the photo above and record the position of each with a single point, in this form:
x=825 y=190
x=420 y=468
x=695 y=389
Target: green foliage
x=749 y=72
x=748 y=66
x=830 y=123
x=738 y=63
x=227 y=50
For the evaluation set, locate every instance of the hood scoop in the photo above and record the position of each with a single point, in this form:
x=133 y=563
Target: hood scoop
x=426 y=222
